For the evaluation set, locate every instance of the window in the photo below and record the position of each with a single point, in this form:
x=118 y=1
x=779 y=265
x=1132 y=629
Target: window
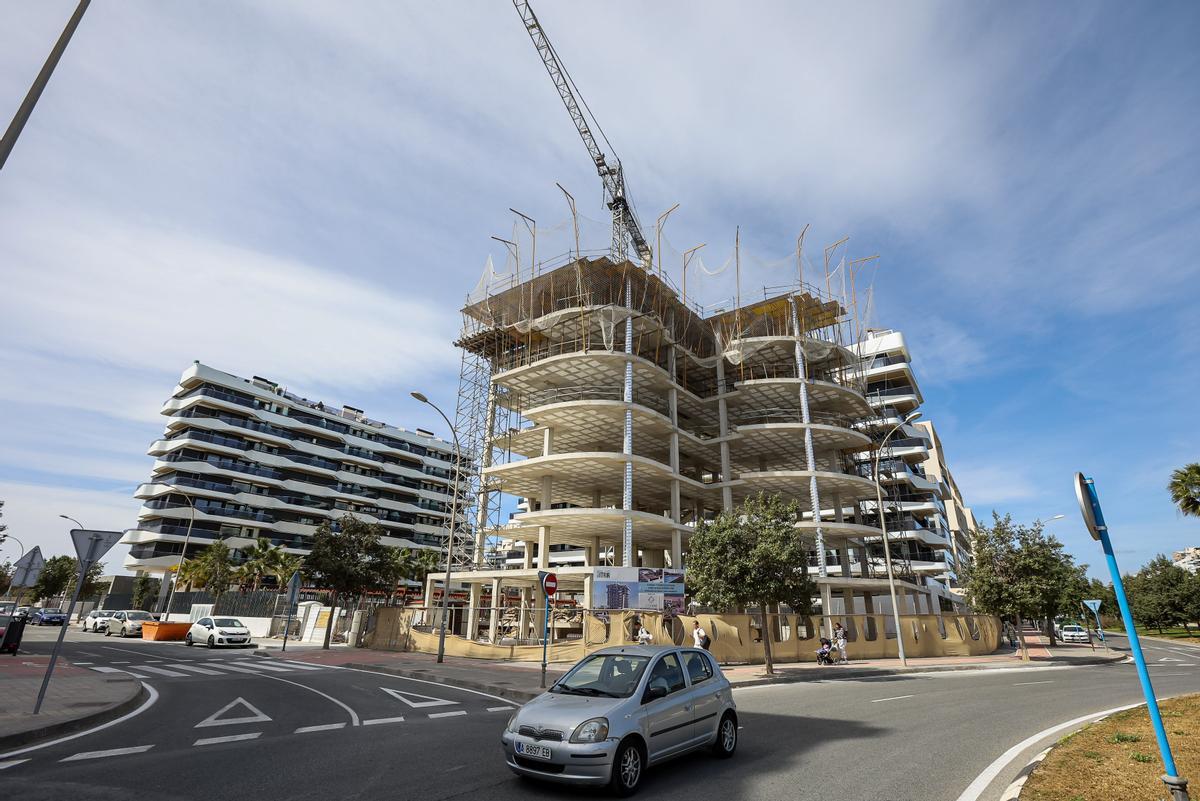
x=204 y=621
x=667 y=674
x=698 y=667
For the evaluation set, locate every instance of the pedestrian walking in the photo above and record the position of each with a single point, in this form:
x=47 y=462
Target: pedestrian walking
x=699 y=637
x=644 y=637
x=839 y=637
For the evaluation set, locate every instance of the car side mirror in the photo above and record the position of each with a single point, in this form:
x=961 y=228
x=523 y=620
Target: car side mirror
x=653 y=694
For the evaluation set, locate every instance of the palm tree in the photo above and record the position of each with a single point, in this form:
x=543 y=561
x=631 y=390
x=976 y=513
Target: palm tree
x=424 y=562
x=284 y=565
x=1185 y=489
x=190 y=573
x=214 y=570
x=259 y=560
x=396 y=564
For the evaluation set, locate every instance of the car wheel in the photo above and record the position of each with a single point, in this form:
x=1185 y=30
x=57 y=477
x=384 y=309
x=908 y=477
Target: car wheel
x=212 y=643
x=727 y=737
x=187 y=640
x=628 y=765
x=108 y=632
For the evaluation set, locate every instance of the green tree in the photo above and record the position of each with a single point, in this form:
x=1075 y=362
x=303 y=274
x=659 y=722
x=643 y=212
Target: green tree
x=260 y=559
x=56 y=574
x=211 y=570
x=752 y=555
x=1185 y=489
x=424 y=562
x=6 y=574
x=284 y=566
x=1159 y=594
x=395 y=565
x=347 y=559
x=1019 y=573
x=145 y=588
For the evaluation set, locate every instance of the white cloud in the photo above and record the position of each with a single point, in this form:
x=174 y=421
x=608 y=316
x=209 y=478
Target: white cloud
x=985 y=485
x=32 y=514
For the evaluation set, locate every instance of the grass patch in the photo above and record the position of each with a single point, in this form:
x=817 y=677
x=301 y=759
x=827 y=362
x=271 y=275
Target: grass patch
x=1172 y=633
x=1117 y=757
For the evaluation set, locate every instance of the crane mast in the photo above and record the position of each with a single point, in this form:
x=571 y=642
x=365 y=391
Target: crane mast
x=625 y=228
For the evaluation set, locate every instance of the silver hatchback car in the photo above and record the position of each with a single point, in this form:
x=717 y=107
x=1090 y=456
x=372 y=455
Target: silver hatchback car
x=620 y=710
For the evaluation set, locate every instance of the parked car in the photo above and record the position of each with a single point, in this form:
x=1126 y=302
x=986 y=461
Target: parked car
x=50 y=616
x=97 y=619
x=216 y=631
x=127 y=623
x=1074 y=633
x=620 y=710
x=23 y=612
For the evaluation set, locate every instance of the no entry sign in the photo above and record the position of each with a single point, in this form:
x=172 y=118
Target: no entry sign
x=549 y=583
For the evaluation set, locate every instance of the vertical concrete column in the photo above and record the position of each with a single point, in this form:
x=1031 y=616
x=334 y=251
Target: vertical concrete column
x=597 y=500
x=723 y=417
x=827 y=609
x=523 y=615
x=588 y=598
x=810 y=459
x=676 y=550
x=474 y=601
x=627 y=440
x=547 y=441
x=652 y=557
x=430 y=579
x=527 y=556
x=485 y=461
x=594 y=551
x=544 y=531
x=494 y=618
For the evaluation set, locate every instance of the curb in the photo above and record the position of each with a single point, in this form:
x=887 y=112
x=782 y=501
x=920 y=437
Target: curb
x=116 y=710
x=1014 y=790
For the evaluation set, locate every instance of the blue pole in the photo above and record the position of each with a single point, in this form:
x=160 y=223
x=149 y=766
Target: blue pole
x=1135 y=645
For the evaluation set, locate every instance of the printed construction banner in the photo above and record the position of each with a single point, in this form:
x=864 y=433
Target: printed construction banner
x=653 y=589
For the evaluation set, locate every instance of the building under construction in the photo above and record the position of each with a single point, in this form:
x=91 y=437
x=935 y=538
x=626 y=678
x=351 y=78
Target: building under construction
x=625 y=416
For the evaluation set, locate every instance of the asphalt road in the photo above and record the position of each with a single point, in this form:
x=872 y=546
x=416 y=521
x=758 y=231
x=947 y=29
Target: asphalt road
x=227 y=726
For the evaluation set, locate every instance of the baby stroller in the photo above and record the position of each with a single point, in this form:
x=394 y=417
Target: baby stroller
x=825 y=652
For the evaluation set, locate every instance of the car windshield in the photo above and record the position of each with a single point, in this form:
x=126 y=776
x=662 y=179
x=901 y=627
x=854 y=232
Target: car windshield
x=52 y=611
x=105 y=613
x=229 y=622
x=609 y=675
x=1072 y=628
x=139 y=616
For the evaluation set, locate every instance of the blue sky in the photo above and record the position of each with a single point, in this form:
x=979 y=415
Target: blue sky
x=306 y=193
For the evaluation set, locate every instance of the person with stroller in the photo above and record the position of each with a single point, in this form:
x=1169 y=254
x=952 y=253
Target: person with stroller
x=824 y=653
x=839 y=638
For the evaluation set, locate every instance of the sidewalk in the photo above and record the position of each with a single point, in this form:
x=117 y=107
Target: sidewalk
x=76 y=699
x=520 y=681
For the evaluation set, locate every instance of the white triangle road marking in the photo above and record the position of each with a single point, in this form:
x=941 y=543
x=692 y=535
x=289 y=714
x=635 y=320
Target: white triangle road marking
x=429 y=699
x=214 y=719
x=1170 y=659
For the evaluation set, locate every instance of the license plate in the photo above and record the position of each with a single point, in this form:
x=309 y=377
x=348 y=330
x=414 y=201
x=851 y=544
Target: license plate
x=534 y=751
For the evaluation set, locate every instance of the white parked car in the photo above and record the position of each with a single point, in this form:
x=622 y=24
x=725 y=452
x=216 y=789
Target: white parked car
x=97 y=620
x=1074 y=633
x=215 y=631
x=127 y=623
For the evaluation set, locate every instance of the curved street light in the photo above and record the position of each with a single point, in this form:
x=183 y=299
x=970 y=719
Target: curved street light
x=449 y=525
x=5 y=537
x=166 y=612
x=887 y=547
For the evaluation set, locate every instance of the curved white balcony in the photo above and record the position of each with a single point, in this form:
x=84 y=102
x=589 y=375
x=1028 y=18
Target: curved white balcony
x=796 y=483
x=579 y=526
x=784 y=393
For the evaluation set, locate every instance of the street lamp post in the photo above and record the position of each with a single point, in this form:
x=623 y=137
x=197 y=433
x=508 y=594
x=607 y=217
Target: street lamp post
x=17 y=541
x=887 y=547
x=166 y=612
x=449 y=526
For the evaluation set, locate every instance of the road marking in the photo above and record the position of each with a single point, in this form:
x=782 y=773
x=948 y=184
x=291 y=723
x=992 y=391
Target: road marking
x=500 y=708
x=302 y=666
x=12 y=762
x=976 y=788
x=195 y=669
x=1025 y=683
x=153 y=693
x=258 y=666
x=83 y=664
x=120 y=670
x=893 y=698
x=377 y=721
x=256 y=716
x=232 y=738
x=125 y=662
x=324 y=727
x=447 y=714
x=354 y=719
x=420 y=681
x=161 y=671
x=137 y=749
x=236 y=668
x=401 y=695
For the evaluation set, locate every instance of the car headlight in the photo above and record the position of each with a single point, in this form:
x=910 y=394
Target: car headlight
x=591 y=731
x=512 y=722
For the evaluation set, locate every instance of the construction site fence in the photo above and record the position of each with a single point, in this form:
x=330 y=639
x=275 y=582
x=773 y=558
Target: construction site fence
x=736 y=638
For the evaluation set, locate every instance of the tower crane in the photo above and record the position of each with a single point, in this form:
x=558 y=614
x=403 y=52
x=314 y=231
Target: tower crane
x=625 y=228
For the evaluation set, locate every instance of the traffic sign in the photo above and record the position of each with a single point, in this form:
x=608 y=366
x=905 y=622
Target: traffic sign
x=91 y=545
x=28 y=568
x=1093 y=605
x=549 y=583
x=294 y=589
x=1085 y=493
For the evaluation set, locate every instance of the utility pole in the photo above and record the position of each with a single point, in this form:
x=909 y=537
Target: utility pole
x=39 y=84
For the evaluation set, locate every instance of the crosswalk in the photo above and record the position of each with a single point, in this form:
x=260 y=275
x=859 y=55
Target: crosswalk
x=209 y=667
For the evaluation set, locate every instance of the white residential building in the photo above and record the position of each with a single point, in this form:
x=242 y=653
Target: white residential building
x=1188 y=559
x=257 y=461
